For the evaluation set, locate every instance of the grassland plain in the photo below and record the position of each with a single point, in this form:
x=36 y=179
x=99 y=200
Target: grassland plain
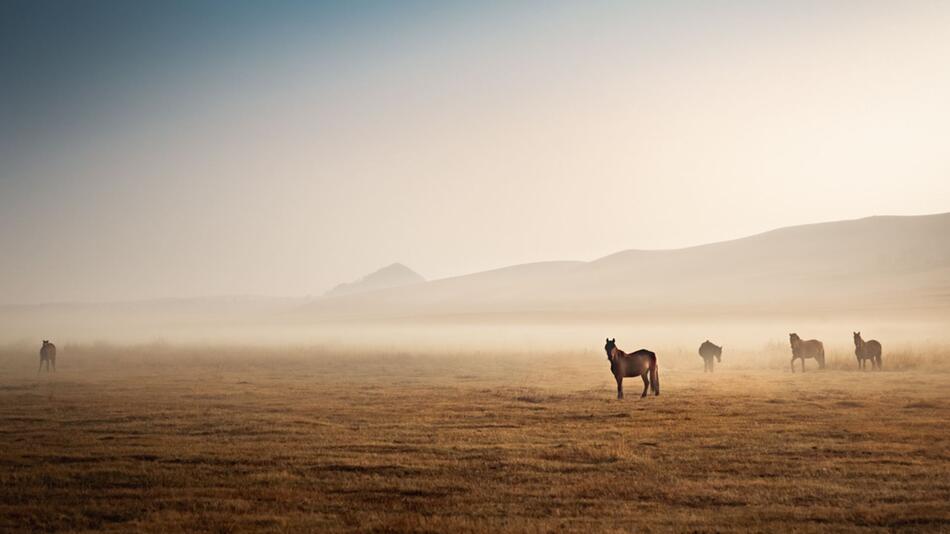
x=166 y=439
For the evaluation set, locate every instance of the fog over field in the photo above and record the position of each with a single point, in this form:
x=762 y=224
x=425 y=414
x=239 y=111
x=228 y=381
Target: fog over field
x=519 y=266
x=889 y=276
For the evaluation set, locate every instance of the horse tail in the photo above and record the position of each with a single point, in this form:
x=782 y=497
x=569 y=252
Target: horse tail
x=654 y=375
x=821 y=353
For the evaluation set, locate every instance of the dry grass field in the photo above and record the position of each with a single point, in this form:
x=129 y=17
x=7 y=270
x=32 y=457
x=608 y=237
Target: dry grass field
x=149 y=439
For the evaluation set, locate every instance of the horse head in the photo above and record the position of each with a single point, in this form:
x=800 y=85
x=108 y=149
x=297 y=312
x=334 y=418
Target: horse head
x=609 y=347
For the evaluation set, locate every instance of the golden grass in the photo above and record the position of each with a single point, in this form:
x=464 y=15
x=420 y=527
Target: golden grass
x=229 y=440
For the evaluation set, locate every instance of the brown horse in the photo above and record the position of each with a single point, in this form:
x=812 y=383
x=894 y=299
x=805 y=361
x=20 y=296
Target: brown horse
x=641 y=363
x=48 y=355
x=708 y=351
x=806 y=349
x=867 y=350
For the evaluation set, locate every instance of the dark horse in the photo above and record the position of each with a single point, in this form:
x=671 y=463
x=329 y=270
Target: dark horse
x=708 y=351
x=641 y=363
x=867 y=350
x=48 y=355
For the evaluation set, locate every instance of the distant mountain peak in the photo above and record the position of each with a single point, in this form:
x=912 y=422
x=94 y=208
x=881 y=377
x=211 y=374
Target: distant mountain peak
x=393 y=275
x=395 y=268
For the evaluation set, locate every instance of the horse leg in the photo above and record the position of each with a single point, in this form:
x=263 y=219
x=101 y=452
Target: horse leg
x=803 y=365
x=646 y=384
x=619 y=387
x=712 y=363
x=793 y=364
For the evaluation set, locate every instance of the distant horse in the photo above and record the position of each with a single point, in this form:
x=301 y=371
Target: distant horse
x=806 y=349
x=709 y=351
x=867 y=350
x=48 y=355
x=641 y=363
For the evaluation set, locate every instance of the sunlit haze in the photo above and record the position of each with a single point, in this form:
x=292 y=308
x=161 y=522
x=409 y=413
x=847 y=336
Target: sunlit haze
x=281 y=149
x=427 y=266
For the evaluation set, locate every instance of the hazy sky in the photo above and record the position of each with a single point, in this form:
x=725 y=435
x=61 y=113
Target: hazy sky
x=160 y=149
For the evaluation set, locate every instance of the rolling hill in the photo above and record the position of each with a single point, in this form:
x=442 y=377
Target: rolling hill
x=395 y=275
x=882 y=264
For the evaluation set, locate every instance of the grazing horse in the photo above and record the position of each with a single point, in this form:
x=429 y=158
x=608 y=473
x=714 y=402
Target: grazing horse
x=641 y=363
x=709 y=351
x=867 y=350
x=48 y=355
x=806 y=349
